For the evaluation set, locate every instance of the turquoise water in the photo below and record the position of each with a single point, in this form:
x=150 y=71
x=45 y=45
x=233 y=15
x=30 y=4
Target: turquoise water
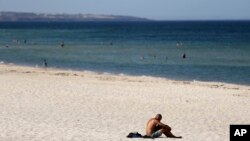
x=215 y=51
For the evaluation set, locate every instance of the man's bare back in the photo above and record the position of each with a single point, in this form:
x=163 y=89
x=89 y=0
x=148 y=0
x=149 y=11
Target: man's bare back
x=155 y=128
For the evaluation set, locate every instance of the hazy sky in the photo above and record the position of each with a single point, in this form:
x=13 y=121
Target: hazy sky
x=154 y=9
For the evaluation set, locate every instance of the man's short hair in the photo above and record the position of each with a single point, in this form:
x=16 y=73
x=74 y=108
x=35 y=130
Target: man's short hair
x=158 y=116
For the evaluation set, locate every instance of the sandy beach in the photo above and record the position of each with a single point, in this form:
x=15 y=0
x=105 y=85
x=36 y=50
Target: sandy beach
x=38 y=104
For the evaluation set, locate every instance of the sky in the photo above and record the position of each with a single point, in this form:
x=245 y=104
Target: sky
x=152 y=9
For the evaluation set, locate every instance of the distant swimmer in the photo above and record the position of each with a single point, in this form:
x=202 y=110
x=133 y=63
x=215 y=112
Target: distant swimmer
x=45 y=64
x=179 y=44
x=15 y=41
x=7 y=46
x=111 y=43
x=25 y=41
x=62 y=44
x=184 y=55
x=142 y=57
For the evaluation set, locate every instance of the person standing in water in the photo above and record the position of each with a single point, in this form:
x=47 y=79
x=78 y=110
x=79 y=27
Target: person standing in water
x=184 y=56
x=45 y=64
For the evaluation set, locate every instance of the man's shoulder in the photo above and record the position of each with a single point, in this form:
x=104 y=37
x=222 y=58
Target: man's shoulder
x=152 y=120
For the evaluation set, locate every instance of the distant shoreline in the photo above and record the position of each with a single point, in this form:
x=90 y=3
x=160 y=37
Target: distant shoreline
x=9 y=16
x=149 y=21
x=28 y=16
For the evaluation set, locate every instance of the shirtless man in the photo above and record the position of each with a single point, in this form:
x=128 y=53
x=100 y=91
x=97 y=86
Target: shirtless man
x=155 y=128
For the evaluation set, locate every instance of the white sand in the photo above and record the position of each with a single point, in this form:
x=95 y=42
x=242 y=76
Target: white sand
x=52 y=105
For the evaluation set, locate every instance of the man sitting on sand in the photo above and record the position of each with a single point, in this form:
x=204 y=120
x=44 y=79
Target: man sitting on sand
x=155 y=128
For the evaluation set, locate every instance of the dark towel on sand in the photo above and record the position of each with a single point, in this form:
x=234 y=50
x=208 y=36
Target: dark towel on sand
x=136 y=135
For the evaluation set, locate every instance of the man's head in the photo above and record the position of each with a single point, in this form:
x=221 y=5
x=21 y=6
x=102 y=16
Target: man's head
x=158 y=117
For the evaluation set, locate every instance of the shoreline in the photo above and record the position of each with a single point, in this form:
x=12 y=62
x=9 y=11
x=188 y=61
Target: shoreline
x=71 y=72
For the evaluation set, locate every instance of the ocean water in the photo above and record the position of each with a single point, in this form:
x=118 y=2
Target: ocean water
x=215 y=50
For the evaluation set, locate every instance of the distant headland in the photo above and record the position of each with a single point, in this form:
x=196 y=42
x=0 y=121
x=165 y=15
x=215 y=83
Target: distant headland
x=26 y=16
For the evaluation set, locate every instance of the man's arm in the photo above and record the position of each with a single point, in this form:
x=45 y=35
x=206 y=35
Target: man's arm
x=162 y=125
